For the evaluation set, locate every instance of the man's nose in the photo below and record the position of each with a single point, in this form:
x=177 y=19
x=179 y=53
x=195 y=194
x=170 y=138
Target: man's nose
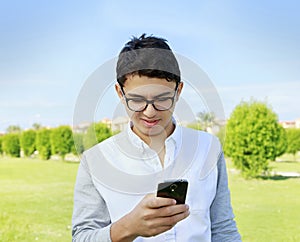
x=149 y=111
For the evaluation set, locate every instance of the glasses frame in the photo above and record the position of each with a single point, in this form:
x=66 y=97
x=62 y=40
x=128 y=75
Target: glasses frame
x=149 y=101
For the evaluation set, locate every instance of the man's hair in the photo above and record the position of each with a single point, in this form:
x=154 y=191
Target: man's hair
x=147 y=56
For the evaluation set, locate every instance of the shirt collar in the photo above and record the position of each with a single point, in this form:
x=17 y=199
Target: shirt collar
x=175 y=138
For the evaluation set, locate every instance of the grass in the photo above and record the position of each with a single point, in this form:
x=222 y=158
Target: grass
x=267 y=209
x=289 y=157
x=36 y=202
x=287 y=166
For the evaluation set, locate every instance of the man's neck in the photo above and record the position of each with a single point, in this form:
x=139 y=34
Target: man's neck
x=157 y=142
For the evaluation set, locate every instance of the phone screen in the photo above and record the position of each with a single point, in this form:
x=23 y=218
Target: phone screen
x=175 y=189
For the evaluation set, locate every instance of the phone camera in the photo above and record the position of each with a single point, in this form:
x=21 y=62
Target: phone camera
x=173 y=187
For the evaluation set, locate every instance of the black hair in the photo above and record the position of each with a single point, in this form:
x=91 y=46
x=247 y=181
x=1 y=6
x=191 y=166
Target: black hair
x=147 y=56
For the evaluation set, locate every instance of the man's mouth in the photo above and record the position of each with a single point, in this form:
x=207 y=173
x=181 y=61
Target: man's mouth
x=150 y=123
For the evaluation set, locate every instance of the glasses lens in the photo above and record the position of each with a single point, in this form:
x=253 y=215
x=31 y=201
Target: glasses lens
x=136 y=105
x=163 y=104
x=160 y=104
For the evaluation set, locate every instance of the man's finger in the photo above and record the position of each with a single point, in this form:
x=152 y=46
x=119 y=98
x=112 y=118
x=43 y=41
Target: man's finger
x=158 y=202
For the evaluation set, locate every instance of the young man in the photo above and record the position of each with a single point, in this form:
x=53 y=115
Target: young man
x=114 y=198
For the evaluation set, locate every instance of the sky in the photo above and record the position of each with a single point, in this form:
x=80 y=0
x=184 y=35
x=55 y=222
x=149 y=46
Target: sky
x=48 y=49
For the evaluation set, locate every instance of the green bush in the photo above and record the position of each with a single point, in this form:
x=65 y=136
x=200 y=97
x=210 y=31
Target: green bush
x=293 y=141
x=222 y=134
x=11 y=144
x=196 y=126
x=16 y=129
x=252 y=137
x=282 y=144
x=96 y=133
x=1 y=150
x=61 y=140
x=28 y=143
x=78 y=147
x=43 y=144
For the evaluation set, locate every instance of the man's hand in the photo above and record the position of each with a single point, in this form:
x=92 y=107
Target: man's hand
x=152 y=216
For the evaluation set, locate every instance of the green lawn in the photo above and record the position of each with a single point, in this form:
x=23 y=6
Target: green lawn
x=268 y=209
x=36 y=202
x=286 y=166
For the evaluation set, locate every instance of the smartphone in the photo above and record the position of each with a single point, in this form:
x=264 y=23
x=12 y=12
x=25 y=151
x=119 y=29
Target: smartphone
x=175 y=189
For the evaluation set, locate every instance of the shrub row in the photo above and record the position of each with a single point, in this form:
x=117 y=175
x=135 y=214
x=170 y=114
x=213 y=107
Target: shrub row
x=55 y=141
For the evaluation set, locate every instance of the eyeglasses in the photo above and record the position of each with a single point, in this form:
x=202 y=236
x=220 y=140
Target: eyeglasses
x=139 y=104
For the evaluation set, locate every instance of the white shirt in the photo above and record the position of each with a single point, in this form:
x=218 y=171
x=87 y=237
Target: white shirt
x=117 y=173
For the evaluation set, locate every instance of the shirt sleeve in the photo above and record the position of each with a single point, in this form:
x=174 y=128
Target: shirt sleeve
x=91 y=220
x=223 y=226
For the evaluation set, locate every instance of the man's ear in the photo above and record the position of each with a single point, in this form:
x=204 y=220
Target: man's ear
x=119 y=91
x=179 y=89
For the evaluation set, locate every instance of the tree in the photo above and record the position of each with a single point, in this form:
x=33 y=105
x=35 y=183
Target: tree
x=61 y=140
x=13 y=129
x=195 y=126
x=43 y=144
x=78 y=147
x=11 y=144
x=206 y=120
x=282 y=144
x=96 y=133
x=28 y=143
x=252 y=135
x=222 y=134
x=36 y=126
x=293 y=141
x=1 y=149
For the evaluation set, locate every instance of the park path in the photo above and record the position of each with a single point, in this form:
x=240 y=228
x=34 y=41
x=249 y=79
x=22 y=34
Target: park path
x=287 y=174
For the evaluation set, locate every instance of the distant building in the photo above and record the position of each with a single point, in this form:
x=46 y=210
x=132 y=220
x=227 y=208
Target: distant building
x=106 y=121
x=297 y=123
x=119 y=123
x=81 y=128
x=291 y=124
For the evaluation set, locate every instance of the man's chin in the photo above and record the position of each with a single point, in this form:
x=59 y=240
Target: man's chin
x=155 y=130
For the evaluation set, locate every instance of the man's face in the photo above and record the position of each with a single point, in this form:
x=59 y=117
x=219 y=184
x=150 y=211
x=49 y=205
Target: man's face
x=150 y=121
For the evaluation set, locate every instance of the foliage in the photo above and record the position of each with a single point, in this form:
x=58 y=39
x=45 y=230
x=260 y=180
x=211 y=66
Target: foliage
x=27 y=141
x=1 y=150
x=222 y=134
x=281 y=145
x=293 y=141
x=61 y=140
x=78 y=147
x=36 y=126
x=13 y=129
x=11 y=144
x=196 y=126
x=43 y=144
x=96 y=133
x=206 y=120
x=252 y=136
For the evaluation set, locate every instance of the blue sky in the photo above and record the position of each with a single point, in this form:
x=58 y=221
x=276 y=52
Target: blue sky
x=49 y=48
